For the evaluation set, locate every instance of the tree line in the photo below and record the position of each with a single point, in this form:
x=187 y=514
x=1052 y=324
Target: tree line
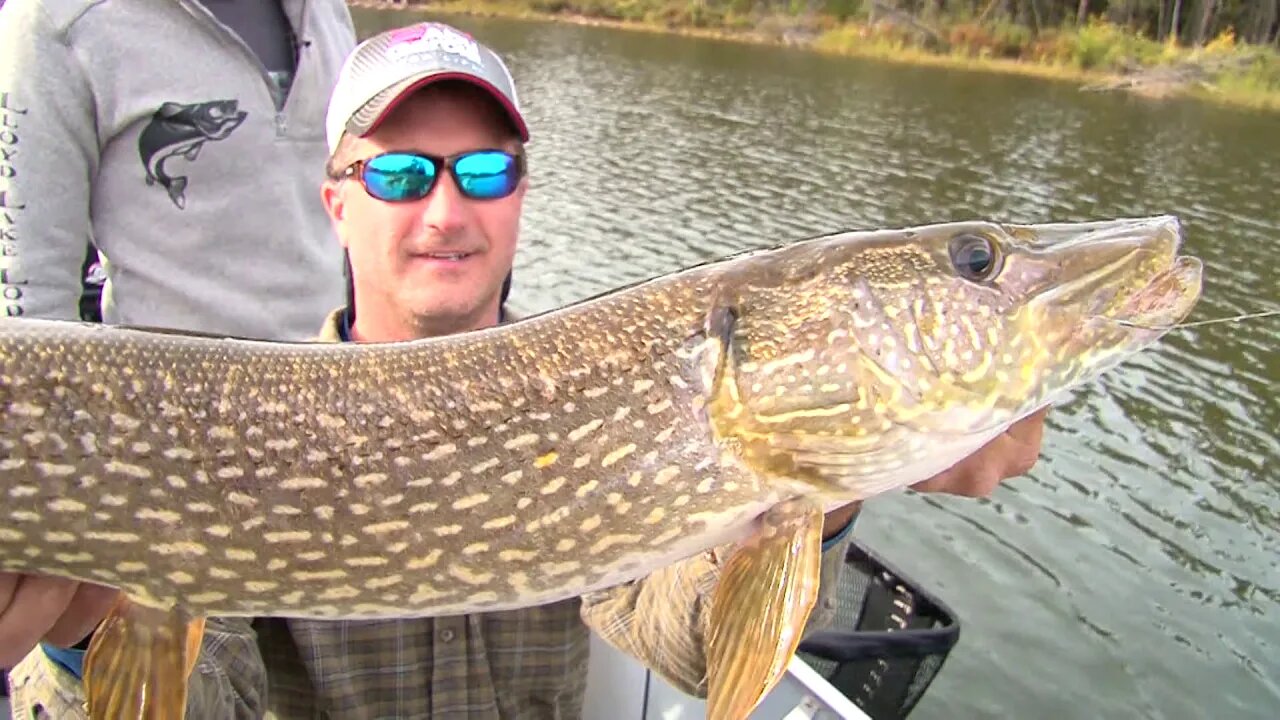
x=1190 y=22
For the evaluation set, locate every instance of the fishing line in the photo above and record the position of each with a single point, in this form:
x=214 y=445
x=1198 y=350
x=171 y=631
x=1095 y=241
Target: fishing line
x=1214 y=321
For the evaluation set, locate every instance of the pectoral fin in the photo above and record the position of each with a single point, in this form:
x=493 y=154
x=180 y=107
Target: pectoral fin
x=139 y=661
x=766 y=591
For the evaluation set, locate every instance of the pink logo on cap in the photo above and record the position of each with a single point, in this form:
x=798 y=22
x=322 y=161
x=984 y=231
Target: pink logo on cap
x=415 y=32
x=407 y=34
x=434 y=37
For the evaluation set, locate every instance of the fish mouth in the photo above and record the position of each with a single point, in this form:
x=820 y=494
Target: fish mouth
x=1155 y=287
x=1127 y=271
x=1167 y=297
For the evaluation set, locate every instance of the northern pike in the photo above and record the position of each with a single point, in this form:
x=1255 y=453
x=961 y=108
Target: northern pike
x=725 y=405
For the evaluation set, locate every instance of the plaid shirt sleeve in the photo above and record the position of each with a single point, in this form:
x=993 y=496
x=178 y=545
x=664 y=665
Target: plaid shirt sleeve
x=229 y=679
x=663 y=619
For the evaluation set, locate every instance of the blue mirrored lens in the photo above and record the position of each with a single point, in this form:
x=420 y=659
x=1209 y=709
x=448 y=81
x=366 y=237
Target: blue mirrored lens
x=399 y=176
x=487 y=174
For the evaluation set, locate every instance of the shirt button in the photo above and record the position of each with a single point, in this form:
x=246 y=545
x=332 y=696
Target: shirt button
x=446 y=635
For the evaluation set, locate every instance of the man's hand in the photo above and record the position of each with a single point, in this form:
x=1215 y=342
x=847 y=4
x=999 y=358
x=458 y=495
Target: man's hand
x=1011 y=454
x=38 y=607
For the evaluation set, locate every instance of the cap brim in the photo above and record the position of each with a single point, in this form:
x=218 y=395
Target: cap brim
x=371 y=114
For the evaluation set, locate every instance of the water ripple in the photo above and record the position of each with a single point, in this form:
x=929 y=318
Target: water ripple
x=1153 y=518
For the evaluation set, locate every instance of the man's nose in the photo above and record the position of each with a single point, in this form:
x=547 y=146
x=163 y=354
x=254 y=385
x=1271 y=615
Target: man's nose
x=446 y=207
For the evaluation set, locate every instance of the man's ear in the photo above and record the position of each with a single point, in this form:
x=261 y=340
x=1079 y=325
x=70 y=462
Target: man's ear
x=334 y=204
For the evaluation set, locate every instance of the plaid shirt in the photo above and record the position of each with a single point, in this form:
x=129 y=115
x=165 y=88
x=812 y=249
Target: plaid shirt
x=521 y=664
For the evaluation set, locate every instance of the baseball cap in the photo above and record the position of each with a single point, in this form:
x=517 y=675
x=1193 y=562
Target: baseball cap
x=391 y=65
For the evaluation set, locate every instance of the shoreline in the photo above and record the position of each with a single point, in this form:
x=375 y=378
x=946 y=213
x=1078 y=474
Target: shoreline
x=1153 y=83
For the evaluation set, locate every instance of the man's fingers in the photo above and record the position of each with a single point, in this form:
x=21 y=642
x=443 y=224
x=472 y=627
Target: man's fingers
x=1002 y=458
x=942 y=481
x=983 y=481
x=8 y=586
x=973 y=477
x=37 y=603
x=1030 y=429
x=1010 y=454
x=1027 y=435
x=86 y=609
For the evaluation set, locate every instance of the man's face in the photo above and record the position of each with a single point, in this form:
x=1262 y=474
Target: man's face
x=432 y=266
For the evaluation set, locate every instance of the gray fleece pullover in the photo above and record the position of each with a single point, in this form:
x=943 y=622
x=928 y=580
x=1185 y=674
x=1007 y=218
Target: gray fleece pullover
x=150 y=129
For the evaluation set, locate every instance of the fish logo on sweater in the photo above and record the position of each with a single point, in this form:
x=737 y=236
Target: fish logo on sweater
x=181 y=130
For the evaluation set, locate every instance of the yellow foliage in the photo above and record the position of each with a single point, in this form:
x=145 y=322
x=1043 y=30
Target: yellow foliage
x=1224 y=43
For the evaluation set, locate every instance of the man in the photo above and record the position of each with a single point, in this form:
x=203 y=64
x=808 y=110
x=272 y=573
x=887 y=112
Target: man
x=427 y=179
x=189 y=160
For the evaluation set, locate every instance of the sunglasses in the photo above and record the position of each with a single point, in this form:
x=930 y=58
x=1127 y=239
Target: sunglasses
x=405 y=177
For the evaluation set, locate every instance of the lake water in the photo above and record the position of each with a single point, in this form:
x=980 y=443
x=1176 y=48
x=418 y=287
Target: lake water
x=1134 y=572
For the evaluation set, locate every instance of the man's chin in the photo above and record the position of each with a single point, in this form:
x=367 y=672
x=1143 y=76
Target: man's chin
x=441 y=314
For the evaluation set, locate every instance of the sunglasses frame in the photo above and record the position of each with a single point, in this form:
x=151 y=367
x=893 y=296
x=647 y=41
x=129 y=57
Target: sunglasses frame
x=445 y=162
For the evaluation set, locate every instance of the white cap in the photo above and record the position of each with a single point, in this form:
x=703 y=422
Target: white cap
x=391 y=65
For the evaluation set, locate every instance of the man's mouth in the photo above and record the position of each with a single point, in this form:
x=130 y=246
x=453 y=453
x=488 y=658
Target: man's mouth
x=447 y=256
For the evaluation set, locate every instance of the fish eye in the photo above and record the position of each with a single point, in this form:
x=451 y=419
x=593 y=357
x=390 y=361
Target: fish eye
x=975 y=257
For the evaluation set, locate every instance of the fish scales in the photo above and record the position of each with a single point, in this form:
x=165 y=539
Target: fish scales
x=362 y=481
x=566 y=452
x=729 y=403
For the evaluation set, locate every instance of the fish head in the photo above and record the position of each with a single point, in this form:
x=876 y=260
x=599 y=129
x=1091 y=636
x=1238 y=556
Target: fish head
x=864 y=361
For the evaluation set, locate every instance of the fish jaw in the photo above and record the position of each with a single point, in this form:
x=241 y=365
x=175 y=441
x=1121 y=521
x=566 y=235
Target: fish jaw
x=863 y=362
x=1165 y=300
x=1128 y=271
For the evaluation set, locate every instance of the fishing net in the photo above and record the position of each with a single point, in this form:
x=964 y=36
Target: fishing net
x=888 y=639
